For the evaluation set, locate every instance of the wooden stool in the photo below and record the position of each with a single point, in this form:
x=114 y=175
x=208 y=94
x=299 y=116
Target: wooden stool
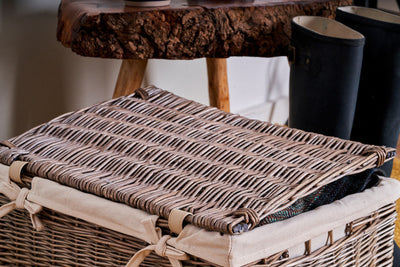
x=132 y=71
x=186 y=29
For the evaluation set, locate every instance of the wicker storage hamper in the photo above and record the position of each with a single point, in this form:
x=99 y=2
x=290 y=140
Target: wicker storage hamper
x=153 y=179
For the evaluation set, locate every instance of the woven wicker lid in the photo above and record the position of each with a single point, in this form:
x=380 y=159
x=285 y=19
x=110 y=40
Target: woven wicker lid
x=156 y=151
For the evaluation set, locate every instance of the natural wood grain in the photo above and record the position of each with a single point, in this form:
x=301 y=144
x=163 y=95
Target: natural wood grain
x=185 y=29
x=130 y=76
x=218 y=89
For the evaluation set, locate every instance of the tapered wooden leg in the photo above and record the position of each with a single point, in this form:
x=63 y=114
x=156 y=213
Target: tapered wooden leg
x=130 y=76
x=218 y=89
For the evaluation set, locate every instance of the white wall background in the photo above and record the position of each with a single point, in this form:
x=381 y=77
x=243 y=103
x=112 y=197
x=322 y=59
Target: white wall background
x=40 y=79
x=253 y=82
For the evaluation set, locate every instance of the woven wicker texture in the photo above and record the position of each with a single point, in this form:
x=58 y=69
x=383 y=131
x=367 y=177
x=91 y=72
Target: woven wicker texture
x=369 y=242
x=156 y=151
x=67 y=241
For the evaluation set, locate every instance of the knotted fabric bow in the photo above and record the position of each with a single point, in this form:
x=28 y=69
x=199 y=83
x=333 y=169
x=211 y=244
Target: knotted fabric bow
x=18 y=199
x=160 y=247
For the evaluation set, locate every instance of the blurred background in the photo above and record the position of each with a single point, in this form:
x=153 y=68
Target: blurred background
x=40 y=79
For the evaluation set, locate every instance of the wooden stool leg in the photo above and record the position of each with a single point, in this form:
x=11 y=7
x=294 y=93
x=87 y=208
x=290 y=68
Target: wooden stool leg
x=130 y=76
x=218 y=89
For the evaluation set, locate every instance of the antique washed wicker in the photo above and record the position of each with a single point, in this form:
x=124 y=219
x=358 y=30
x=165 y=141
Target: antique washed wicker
x=158 y=152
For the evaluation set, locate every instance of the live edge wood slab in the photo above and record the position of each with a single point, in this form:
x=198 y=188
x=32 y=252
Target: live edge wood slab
x=186 y=29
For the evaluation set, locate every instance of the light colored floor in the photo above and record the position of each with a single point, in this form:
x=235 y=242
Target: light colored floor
x=396 y=174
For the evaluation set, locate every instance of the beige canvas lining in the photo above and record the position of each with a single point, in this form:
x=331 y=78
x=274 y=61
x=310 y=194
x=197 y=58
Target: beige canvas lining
x=315 y=224
x=224 y=250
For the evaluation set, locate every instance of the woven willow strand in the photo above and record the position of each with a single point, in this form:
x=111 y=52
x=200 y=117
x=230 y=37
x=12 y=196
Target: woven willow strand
x=67 y=241
x=167 y=152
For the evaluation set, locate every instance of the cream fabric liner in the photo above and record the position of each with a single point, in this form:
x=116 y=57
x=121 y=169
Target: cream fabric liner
x=88 y=207
x=224 y=250
x=272 y=238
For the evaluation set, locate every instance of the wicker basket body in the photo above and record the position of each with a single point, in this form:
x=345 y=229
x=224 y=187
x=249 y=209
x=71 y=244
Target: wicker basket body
x=159 y=153
x=67 y=241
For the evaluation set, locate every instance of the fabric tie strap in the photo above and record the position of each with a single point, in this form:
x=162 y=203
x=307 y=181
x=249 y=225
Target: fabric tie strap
x=15 y=170
x=18 y=197
x=19 y=201
x=176 y=219
x=161 y=248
